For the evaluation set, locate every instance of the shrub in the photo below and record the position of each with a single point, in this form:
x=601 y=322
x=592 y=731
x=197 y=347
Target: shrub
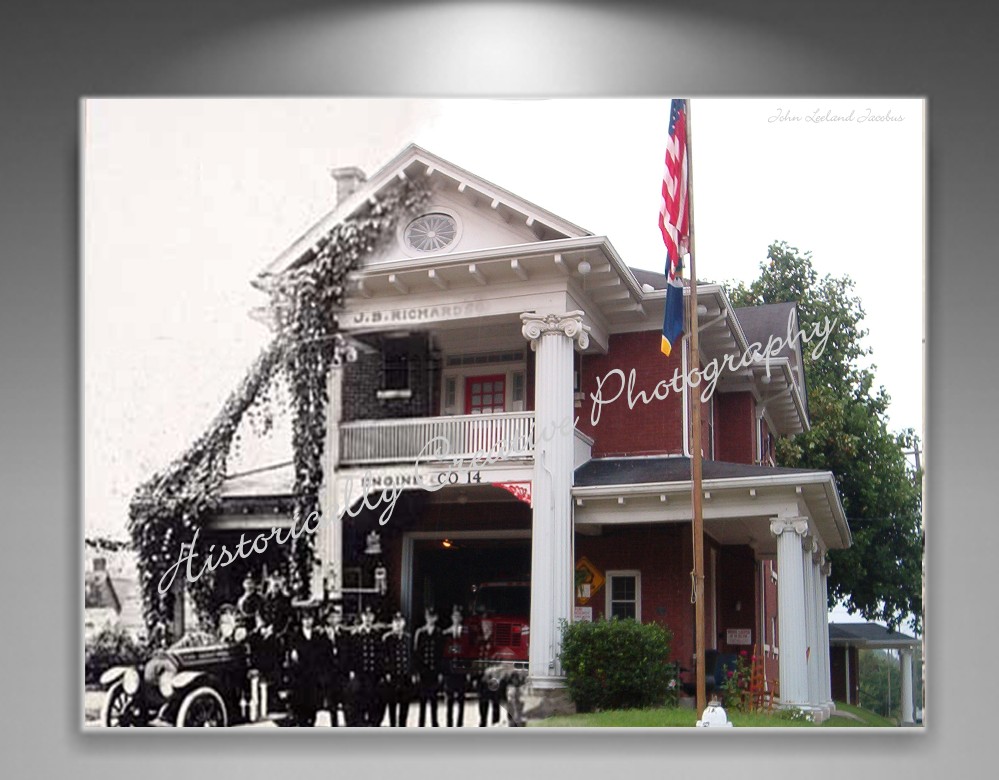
x=735 y=684
x=112 y=646
x=618 y=664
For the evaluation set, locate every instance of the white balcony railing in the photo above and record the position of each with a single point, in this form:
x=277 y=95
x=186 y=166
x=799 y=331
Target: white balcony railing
x=505 y=435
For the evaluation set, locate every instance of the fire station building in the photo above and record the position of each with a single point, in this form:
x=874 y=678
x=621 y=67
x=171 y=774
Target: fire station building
x=510 y=418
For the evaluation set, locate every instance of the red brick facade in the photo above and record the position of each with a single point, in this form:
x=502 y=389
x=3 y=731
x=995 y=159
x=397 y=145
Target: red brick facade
x=659 y=421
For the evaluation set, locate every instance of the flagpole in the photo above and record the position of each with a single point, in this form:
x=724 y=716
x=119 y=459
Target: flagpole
x=695 y=456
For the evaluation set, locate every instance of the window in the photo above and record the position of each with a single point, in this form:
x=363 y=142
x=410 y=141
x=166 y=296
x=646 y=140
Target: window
x=431 y=232
x=518 y=387
x=624 y=595
x=395 y=366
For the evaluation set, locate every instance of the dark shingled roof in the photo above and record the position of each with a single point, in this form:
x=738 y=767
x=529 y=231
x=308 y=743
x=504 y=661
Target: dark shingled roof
x=759 y=323
x=867 y=634
x=637 y=471
x=656 y=280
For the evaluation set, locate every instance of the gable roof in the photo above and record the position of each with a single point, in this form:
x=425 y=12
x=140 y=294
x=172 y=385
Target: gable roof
x=412 y=161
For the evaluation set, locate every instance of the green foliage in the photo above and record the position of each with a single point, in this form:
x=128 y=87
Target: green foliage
x=881 y=683
x=880 y=575
x=167 y=509
x=111 y=646
x=676 y=717
x=790 y=715
x=735 y=686
x=617 y=664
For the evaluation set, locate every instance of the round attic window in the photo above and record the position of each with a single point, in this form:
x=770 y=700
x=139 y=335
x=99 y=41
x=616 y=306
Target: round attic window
x=431 y=232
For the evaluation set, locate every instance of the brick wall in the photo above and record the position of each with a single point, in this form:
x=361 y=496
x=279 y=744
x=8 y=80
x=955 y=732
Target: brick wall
x=734 y=427
x=769 y=606
x=736 y=587
x=664 y=556
x=362 y=381
x=659 y=421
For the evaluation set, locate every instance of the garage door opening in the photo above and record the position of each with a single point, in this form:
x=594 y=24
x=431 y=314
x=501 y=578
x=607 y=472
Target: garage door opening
x=443 y=576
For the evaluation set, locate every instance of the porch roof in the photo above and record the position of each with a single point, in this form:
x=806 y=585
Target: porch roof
x=869 y=635
x=649 y=470
x=743 y=498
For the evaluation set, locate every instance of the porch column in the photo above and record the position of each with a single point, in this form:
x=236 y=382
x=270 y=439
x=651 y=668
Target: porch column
x=809 y=548
x=846 y=657
x=791 y=609
x=825 y=569
x=329 y=535
x=905 y=660
x=552 y=337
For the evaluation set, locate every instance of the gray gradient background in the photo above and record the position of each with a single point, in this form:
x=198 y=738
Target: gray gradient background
x=52 y=55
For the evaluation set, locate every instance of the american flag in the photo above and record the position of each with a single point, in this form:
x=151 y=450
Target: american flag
x=674 y=222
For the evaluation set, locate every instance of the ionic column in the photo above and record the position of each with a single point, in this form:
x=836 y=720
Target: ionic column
x=809 y=548
x=791 y=609
x=824 y=570
x=905 y=660
x=329 y=535
x=552 y=337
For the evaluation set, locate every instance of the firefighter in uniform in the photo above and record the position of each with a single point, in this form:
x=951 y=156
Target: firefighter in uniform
x=250 y=602
x=308 y=655
x=366 y=670
x=488 y=686
x=455 y=668
x=397 y=687
x=277 y=605
x=336 y=675
x=428 y=653
x=266 y=657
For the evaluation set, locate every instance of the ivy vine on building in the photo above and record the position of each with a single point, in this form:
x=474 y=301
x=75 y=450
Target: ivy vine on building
x=167 y=509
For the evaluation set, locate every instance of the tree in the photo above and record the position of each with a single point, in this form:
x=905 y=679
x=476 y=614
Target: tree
x=880 y=683
x=880 y=575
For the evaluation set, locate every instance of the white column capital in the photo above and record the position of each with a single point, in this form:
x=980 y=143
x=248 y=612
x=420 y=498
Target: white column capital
x=826 y=568
x=798 y=525
x=569 y=324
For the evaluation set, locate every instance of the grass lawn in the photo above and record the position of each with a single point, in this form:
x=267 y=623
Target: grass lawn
x=674 y=717
x=867 y=718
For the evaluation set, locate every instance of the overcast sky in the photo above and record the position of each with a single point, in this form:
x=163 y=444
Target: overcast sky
x=186 y=200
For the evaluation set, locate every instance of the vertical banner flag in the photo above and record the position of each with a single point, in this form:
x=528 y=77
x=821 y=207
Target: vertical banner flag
x=674 y=223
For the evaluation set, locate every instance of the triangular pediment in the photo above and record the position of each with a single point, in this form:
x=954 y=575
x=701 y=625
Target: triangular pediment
x=477 y=214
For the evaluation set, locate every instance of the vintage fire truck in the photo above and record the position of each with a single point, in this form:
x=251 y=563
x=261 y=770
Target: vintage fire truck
x=499 y=625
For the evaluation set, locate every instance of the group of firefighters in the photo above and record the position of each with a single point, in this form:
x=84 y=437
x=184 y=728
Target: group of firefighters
x=365 y=670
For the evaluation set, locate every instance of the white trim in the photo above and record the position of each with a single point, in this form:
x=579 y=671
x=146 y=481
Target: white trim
x=430 y=208
x=713 y=585
x=609 y=575
x=462 y=373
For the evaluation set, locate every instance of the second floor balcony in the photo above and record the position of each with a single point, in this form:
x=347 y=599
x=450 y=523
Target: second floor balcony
x=498 y=436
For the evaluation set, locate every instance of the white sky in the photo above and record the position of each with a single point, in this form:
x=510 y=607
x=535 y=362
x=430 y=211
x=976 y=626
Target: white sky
x=185 y=200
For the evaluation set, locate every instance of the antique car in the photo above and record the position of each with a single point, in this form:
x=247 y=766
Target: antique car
x=201 y=680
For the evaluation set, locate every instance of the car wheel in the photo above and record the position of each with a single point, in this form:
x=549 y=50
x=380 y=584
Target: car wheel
x=115 y=705
x=202 y=707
